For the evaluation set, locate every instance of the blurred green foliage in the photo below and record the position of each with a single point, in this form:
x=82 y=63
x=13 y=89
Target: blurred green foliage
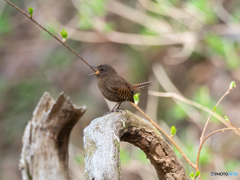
x=192 y=150
x=147 y=31
x=5 y=25
x=52 y=27
x=89 y=10
x=176 y=112
x=232 y=165
x=203 y=97
x=19 y=95
x=79 y=159
x=124 y=156
x=22 y=92
x=218 y=46
x=141 y=156
x=204 y=7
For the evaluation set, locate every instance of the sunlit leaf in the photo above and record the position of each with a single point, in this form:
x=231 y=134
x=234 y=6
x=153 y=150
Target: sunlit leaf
x=64 y=34
x=30 y=11
x=226 y=118
x=197 y=174
x=191 y=174
x=214 y=109
x=232 y=84
x=173 y=131
x=136 y=98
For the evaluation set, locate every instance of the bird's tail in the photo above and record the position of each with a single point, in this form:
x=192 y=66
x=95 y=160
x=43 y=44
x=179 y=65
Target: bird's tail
x=138 y=87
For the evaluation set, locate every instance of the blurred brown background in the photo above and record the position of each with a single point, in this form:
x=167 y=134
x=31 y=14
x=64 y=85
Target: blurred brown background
x=187 y=47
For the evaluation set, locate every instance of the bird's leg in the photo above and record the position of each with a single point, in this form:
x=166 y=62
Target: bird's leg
x=118 y=109
x=114 y=109
x=118 y=105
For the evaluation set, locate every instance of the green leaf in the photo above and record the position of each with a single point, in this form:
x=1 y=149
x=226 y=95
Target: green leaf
x=191 y=175
x=214 y=109
x=226 y=118
x=173 y=131
x=232 y=85
x=136 y=98
x=197 y=174
x=64 y=34
x=230 y=54
x=215 y=45
x=30 y=10
x=98 y=7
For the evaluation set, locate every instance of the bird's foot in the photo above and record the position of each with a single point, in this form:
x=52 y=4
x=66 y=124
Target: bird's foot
x=114 y=110
x=118 y=110
x=107 y=113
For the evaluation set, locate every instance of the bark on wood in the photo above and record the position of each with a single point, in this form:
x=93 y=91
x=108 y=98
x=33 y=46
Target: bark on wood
x=45 y=141
x=102 y=145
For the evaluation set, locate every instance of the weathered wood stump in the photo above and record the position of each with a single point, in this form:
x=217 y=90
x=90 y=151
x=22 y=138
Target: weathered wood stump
x=45 y=141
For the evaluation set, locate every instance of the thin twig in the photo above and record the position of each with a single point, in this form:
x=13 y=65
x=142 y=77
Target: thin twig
x=183 y=99
x=162 y=131
x=43 y=28
x=200 y=147
x=234 y=126
x=204 y=129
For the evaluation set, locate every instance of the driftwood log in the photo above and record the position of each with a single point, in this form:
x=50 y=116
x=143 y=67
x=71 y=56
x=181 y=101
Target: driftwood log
x=45 y=143
x=102 y=145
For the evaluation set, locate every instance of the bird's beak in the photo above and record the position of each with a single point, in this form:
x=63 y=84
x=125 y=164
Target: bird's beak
x=96 y=72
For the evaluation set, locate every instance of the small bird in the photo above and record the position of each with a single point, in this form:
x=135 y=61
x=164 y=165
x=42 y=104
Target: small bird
x=114 y=87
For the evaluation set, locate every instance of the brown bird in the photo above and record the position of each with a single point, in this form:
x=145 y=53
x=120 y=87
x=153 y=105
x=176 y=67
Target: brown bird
x=114 y=87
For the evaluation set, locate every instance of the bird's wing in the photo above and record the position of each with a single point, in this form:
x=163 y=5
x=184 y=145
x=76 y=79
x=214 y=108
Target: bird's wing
x=120 y=90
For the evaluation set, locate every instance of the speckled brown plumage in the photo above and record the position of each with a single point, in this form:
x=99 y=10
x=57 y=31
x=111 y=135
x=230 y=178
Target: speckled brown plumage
x=114 y=87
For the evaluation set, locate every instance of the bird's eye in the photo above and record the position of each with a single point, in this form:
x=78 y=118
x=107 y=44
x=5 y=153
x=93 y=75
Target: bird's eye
x=101 y=69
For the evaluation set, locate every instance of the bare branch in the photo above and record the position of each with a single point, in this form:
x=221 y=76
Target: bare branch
x=183 y=99
x=43 y=28
x=200 y=147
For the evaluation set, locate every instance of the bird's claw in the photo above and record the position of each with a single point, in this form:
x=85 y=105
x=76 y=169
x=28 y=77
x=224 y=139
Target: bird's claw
x=114 y=110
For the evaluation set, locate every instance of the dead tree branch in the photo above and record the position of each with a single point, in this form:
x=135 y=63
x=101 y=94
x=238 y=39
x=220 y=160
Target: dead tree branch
x=45 y=141
x=102 y=145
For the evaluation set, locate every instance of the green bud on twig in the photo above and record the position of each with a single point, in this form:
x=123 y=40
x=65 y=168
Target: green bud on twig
x=64 y=34
x=232 y=85
x=192 y=175
x=197 y=174
x=226 y=118
x=136 y=98
x=173 y=131
x=214 y=109
x=30 y=10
